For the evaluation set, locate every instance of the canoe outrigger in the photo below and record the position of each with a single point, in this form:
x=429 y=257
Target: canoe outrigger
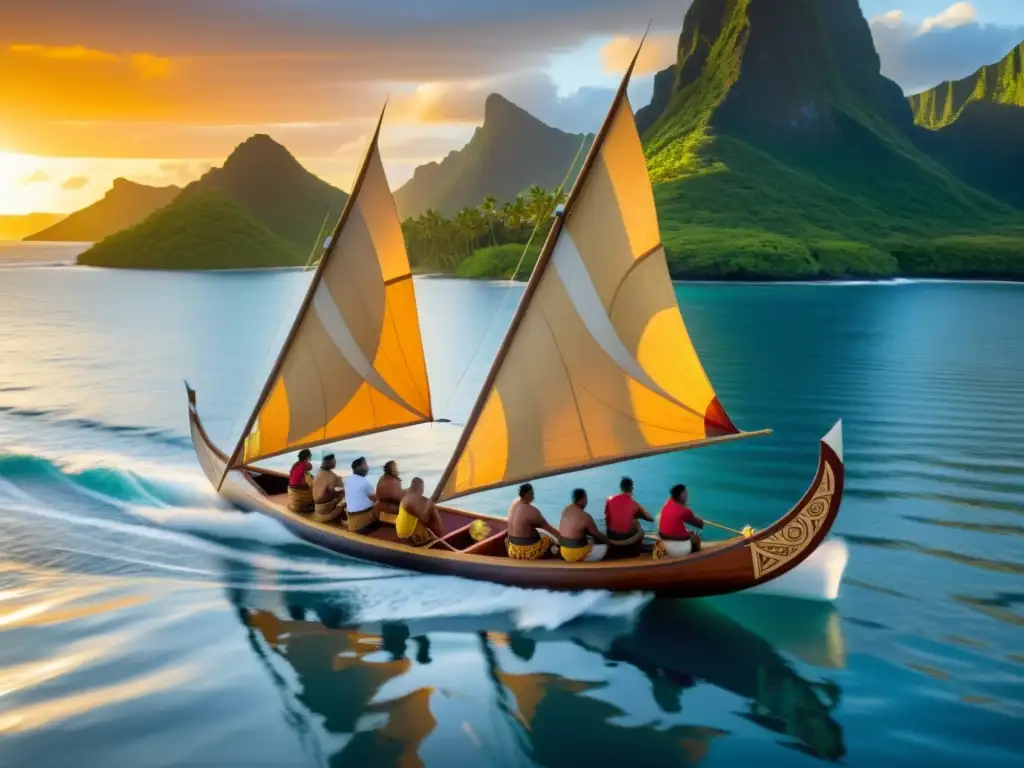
x=596 y=367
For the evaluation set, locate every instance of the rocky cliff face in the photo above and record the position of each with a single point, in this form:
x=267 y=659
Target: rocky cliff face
x=509 y=153
x=783 y=68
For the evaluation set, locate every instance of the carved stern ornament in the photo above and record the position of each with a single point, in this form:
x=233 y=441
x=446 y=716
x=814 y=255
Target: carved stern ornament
x=782 y=546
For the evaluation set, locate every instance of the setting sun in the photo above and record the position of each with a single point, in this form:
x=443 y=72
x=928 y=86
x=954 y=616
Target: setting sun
x=16 y=196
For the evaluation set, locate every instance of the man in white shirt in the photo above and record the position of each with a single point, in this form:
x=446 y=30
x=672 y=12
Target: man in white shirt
x=360 y=497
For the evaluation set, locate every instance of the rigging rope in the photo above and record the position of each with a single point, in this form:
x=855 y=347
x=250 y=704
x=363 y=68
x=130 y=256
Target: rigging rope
x=512 y=280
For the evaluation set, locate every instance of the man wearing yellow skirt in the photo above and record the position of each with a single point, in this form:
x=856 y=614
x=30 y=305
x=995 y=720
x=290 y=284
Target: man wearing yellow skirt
x=418 y=521
x=530 y=536
x=579 y=539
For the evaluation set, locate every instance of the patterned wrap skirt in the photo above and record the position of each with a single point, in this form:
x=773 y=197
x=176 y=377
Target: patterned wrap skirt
x=421 y=535
x=300 y=500
x=329 y=511
x=360 y=521
x=528 y=551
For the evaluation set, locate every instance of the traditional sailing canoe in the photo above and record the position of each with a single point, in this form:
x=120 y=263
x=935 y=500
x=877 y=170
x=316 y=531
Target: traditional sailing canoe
x=596 y=367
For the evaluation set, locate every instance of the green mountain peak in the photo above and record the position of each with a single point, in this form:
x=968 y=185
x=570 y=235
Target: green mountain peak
x=999 y=83
x=781 y=150
x=203 y=230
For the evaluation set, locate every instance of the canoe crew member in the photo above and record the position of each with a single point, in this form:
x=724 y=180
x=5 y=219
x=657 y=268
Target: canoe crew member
x=622 y=516
x=327 y=493
x=418 y=521
x=389 y=493
x=676 y=539
x=530 y=536
x=579 y=539
x=360 y=497
x=300 y=480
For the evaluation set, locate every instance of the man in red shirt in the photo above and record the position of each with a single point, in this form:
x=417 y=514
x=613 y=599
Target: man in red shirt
x=622 y=515
x=676 y=539
x=300 y=494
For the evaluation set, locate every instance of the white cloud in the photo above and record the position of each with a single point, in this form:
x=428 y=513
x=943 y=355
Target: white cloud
x=948 y=46
x=956 y=15
x=890 y=19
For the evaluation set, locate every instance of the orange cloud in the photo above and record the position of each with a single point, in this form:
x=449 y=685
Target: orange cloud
x=658 y=52
x=75 y=182
x=63 y=52
x=149 y=66
x=36 y=177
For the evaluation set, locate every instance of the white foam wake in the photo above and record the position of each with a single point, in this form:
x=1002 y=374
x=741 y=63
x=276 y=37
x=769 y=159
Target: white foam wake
x=431 y=597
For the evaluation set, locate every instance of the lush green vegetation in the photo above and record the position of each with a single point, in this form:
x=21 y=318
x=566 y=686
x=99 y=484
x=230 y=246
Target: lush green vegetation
x=481 y=241
x=759 y=218
x=806 y=164
x=273 y=188
x=203 y=230
x=999 y=83
x=500 y=261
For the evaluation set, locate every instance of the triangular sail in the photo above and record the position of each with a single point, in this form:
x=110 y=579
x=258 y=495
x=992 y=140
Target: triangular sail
x=353 y=363
x=597 y=365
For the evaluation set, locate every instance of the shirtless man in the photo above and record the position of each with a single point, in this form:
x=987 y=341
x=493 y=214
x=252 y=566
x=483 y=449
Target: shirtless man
x=530 y=536
x=327 y=493
x=418 y=521
x=577 y=532
x=389 y=493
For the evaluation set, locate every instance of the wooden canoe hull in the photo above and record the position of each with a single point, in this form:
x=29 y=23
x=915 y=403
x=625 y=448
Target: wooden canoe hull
x=722 y=568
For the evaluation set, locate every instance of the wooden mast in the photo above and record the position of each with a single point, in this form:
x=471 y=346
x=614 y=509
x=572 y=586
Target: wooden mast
x=538 y=271
x=307 y=300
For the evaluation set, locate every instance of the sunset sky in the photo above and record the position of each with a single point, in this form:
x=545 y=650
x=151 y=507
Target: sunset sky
x=157 y=91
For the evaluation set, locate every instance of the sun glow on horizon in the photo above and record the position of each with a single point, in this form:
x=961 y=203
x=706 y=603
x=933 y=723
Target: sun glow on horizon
x=16 y=195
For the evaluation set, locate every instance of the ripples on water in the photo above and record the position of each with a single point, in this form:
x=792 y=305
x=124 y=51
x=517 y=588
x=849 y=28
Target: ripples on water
x=143 y=623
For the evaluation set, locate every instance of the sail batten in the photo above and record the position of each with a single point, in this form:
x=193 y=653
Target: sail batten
x=597 y=365
x=353 y=362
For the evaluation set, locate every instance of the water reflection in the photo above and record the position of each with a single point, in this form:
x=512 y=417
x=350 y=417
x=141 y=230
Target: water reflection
x=386 y=692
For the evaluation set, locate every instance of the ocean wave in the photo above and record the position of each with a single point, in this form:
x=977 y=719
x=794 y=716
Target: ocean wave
x=63 y=419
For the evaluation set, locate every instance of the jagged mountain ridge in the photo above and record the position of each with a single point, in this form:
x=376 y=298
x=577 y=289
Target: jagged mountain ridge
x=509 y=153
x=125 y=204
x=975 y=126
x=781 y=134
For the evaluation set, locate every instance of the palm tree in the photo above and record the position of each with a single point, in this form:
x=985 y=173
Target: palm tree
x=467 y=223
x=516 y=212
x=540 y=203
x=432 y=226
x=489 y=208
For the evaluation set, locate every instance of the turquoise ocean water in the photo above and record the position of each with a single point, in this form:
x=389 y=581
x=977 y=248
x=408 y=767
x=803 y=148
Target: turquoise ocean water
x=143 y=623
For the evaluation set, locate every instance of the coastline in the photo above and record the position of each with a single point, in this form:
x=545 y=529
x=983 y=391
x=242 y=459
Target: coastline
x=38 y=254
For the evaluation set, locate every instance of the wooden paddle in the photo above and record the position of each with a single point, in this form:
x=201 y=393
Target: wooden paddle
x=746 y=533
x=436 y=540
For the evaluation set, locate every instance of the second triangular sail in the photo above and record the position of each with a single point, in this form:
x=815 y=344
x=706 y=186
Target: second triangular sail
x=354 y=363
x=598 y=365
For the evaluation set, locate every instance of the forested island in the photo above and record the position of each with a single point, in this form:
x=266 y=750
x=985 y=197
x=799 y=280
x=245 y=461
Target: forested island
x=776 y=150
